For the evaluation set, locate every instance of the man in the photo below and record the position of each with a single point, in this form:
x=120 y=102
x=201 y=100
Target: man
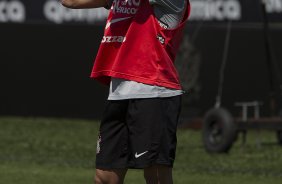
x=136 y=55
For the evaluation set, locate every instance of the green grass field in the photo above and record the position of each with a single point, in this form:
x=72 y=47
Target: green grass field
x=62 y=151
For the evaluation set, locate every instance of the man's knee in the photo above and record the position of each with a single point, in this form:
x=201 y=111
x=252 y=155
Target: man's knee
x=100 y=178
x=158 y=174
x=97 y=180
x=109 y=176
x=151 y=175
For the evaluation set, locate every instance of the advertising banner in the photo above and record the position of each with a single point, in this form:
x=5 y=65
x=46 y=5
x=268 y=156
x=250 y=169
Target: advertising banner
x=51 y=11
x=48 y=11
x=236 y=10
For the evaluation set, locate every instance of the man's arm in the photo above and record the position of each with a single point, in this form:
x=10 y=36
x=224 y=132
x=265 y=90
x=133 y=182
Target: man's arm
x=76 y=4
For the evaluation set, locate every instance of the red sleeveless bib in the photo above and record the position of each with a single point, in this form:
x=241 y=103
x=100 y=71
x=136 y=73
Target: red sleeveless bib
x=135 y=47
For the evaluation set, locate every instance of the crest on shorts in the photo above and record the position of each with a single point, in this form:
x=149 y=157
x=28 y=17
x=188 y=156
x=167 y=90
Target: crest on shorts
x=98 y=149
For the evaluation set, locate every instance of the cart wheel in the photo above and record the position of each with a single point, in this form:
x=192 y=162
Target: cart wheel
x=219 y=131
x=279 y=137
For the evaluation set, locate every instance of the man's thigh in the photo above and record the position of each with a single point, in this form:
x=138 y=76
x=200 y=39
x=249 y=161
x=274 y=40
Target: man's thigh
x=152 y=125
x=112 y=143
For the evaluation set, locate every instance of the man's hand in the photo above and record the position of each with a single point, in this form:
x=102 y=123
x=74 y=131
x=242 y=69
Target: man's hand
x=76 y=4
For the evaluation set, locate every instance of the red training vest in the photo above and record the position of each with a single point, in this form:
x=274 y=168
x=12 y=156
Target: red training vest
x=136 y=47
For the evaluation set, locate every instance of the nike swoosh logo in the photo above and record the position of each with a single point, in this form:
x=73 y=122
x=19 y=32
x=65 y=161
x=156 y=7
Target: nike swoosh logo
x=139 y=155
x=115 y=21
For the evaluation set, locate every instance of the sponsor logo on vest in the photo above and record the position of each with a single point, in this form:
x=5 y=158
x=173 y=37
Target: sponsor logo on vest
x=163 y=25
x=111 y=39
x=129 y=7
x=115 y=21
x=12 y=11
x=161 y=39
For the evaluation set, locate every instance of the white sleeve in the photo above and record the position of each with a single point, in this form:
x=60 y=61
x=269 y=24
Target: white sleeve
x=169 y=12
x=175 y=6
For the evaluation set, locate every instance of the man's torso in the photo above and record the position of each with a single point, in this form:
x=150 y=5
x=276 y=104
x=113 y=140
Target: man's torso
x=169 y=14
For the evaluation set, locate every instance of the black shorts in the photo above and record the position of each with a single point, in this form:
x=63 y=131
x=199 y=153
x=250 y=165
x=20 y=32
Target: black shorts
x=138 y=133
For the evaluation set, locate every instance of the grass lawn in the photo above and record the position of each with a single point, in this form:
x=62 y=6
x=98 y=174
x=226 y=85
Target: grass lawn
x=62 y=151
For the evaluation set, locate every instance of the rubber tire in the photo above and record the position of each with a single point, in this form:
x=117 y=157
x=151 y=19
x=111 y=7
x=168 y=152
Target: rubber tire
x=279 y=137
x=219 y=131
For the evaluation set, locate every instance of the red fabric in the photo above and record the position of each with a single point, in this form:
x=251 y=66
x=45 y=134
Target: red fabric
x=138 y=48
